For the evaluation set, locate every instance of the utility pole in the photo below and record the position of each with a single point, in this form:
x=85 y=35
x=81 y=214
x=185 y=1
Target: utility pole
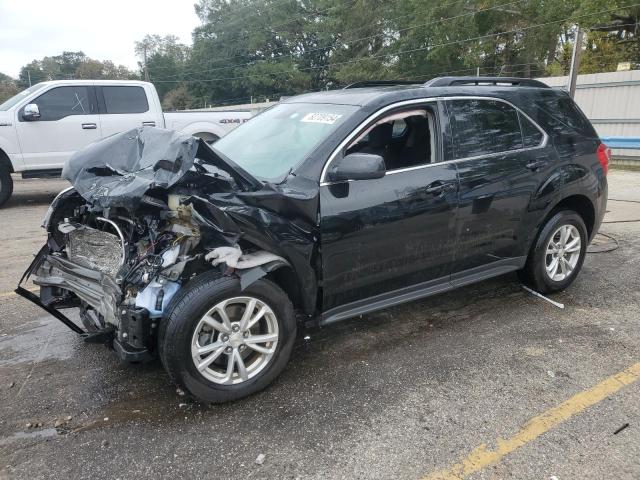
x=146 y=71
x=575 y=63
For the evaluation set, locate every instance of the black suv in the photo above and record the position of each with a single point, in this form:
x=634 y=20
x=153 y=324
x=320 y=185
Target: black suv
x=326 y=206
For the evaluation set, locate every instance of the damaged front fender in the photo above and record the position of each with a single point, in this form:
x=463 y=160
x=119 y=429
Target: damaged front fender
x=165 y=208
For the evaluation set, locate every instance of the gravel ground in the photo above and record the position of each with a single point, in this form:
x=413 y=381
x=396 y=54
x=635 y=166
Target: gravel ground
x=400 y=393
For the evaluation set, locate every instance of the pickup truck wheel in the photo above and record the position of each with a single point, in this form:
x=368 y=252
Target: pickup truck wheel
x=6 y=184
x=220 y=343
x=558 y=253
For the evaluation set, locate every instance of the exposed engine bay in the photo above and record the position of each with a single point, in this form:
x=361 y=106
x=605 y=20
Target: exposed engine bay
x=149 y=211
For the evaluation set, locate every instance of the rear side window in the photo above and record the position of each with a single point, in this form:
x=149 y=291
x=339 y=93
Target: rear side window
x=62 y=102
x=531 y=135
x=484 y=127
x=125 y=99
x=560 y=116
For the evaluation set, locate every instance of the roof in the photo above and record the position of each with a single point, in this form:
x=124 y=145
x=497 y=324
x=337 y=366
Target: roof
x=356 y=96
x=93 y=82
x=380 y=92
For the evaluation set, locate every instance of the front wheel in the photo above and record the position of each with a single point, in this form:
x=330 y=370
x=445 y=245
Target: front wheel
x=220 y=343
x=6 y=184
x=558 y=254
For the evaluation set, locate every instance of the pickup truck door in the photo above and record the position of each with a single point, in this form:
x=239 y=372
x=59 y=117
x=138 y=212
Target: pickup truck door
x=392 y=236
x=124 y=107
x=68 y=122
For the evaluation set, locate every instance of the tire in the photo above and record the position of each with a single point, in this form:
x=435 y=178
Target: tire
x=177 y=338
x=6 y=184
x=535 y=273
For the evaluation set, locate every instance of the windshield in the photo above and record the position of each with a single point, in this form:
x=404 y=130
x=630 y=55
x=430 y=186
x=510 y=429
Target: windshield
x=274 y=142
x=20 y=96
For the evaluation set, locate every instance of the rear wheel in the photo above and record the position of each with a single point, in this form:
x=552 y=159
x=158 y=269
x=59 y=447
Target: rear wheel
x=220 y=343
x=558 y=254
x=6 y=184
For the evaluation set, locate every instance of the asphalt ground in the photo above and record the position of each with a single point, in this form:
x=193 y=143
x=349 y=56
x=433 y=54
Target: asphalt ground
x=486 y=382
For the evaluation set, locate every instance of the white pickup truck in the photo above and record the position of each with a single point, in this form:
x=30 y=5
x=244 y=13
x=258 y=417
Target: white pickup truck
x=42 y=126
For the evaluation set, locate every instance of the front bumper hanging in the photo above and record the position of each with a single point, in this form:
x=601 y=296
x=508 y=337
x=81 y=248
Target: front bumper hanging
x=33 y=298
x=56 y=313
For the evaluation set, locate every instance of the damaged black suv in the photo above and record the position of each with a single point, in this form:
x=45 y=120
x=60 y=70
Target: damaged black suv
x=324 y=207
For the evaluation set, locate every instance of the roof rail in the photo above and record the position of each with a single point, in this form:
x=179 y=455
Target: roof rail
x=381 y=83
x=461 y=81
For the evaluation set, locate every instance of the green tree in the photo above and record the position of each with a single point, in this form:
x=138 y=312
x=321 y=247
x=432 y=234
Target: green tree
x=8 y=87
x=178 y=99
x=164 y=59
x=252 y=49
x=71 y=65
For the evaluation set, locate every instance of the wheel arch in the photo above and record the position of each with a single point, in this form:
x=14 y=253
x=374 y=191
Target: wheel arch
x=582 y=205
x=6 y=161
x=285 y=277
x=200 y=128
x=207 y=136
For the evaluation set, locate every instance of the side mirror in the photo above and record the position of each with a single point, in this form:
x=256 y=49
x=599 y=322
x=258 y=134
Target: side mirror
x=358 y=166
x=31 y=112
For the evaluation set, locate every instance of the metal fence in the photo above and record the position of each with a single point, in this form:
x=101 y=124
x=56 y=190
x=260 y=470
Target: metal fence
x=612 y=103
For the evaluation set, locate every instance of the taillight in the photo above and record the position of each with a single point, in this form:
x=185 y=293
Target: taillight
x=604 y=155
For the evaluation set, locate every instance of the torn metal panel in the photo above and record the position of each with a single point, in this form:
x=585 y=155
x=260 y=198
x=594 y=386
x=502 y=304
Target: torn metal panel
x=93 y=287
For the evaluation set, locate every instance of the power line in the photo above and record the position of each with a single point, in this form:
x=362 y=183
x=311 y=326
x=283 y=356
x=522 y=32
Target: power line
x=294 y=56
x=403 y=52
x=427 y=76
x=328 y=45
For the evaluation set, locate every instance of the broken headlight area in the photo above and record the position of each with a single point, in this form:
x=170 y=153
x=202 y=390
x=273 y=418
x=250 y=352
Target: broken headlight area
x=122 y=271
x=140 y=224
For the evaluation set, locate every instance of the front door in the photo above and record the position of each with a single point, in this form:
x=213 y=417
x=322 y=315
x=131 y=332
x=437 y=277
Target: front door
x=395 y=232
x=68 y=122
x=501 y=157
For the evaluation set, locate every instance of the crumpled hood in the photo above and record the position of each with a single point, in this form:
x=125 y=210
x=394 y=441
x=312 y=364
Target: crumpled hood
x=120 y=169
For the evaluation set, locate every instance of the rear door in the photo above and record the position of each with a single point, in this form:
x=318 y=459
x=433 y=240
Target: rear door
x=502 y=158
x=124 y=107
x=68 y=121
x=383 y=235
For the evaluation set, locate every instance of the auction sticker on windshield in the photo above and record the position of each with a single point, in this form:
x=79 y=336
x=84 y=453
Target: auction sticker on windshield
x=328 y=118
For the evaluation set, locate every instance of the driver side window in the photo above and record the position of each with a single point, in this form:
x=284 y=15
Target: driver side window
x=404 y=139
x=62 y=102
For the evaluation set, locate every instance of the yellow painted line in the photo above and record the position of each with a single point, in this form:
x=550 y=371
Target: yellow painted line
x=482 y=457
x=14 y=294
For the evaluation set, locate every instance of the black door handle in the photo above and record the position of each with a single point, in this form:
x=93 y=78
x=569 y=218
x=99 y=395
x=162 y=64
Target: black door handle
x=89 y=126
x=536 y=164
x=438 y=187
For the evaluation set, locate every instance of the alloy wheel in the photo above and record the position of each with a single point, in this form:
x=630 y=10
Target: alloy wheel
x=563 y=252
x=235 y=340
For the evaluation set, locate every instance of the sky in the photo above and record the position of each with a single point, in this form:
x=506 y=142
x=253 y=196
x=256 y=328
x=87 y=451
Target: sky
x=103 y=30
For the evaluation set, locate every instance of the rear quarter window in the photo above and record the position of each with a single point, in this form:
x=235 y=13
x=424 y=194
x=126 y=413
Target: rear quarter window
x=559 y=115
x=123 y=99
